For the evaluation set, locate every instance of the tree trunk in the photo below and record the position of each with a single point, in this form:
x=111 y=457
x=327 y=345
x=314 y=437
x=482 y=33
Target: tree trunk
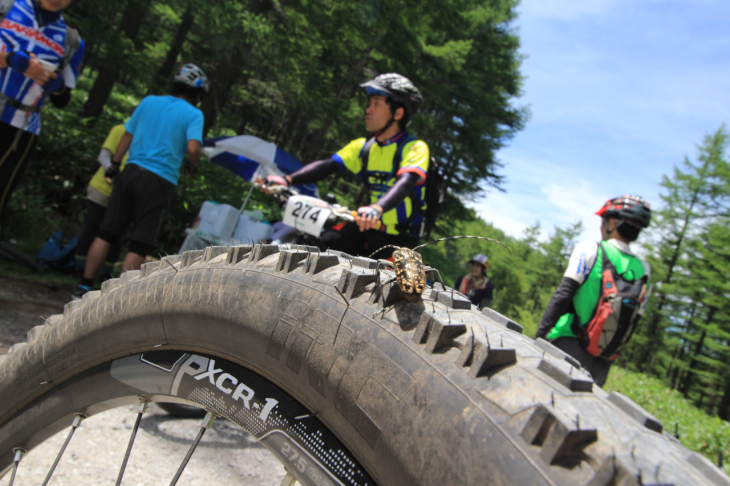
x=228 y=70
x=676 y=353
x=165 y=72
x=724 y=409
x=318 y=140
x=650 y=348
x=283 y=138
x=684 y=389
x=700 y=399
x=109 y=71
x=223 y=80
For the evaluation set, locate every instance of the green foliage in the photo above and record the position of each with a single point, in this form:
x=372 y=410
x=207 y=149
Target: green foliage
x=286 y=71
x=697 y=430
x=683 y=336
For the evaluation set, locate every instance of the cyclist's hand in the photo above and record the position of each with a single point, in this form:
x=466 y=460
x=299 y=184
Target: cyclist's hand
x=54 y=85
x=38 y=73
x=112 y=172
x=368 y=217
x=273 y=180
x=18 y=61
x=190 y=169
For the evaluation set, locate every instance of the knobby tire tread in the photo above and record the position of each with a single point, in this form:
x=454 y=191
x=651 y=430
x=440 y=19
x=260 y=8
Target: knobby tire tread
x=427 y=392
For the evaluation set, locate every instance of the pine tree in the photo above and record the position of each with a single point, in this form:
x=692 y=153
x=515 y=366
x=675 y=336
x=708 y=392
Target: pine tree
x=694 y=194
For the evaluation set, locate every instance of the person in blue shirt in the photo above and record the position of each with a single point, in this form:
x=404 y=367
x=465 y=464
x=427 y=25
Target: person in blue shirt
x=159 y=133
x=40 y=58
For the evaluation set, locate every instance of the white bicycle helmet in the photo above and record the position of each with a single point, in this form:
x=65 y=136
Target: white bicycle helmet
x=192 y=76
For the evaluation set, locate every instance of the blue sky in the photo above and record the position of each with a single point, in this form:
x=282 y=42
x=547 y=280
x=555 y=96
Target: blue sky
x=619 y=91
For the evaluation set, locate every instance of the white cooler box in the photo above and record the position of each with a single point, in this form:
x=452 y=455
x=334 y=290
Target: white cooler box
x=217 y=220
x=250 y=229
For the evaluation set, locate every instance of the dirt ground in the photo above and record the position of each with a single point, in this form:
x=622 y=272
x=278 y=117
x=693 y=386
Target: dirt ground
x=227 y=455
x=24 y=304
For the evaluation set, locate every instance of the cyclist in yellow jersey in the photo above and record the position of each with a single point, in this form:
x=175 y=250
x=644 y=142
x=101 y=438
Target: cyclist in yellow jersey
x=392 y=164
x=97 y=195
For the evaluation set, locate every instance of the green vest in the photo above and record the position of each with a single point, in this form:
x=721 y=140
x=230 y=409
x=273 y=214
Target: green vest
x=585 y=300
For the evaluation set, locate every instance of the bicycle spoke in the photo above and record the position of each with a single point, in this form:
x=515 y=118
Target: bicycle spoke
x=207 y=422
x=140 y=411
x=289 y=480
x=18 y=456
x=74 y=425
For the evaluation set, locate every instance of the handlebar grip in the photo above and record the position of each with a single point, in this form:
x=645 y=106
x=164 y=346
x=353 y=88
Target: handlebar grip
x=376 y=227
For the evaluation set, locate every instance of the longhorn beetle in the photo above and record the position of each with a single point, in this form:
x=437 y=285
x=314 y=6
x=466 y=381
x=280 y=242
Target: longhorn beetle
x=409 y=270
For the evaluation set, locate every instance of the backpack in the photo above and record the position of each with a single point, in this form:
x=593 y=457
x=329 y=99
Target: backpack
x=54 y=255
x=73 y=39
x=616 y=314
x=433 y=195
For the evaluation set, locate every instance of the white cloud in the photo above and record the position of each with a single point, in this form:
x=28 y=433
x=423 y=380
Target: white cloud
x=546 y=193
x=500 y=210
x=620 y=91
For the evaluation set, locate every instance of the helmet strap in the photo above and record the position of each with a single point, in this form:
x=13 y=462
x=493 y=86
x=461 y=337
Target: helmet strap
x=619 y=222
x=387 y=125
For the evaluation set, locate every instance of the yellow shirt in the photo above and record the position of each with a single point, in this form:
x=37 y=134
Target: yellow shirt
x=379 y=176
x=98 y=183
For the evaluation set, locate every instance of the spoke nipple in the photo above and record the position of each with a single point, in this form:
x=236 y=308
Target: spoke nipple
x=77 y=420
x=143 y=403
x=208 y=420
x=19 y=451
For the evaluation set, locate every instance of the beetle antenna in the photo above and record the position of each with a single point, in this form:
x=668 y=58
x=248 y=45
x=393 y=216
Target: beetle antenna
x=458 y=237
x=383 y=248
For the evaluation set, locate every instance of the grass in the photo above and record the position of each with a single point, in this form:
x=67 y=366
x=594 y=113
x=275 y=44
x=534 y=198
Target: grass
x=15 y=270
x=698 y=431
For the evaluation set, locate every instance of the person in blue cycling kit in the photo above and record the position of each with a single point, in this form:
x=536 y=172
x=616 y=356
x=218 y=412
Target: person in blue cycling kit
x=40 y=58
x=159 y=133
x=392 y=164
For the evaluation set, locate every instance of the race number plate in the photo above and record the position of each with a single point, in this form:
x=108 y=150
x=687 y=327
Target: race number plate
x=306 y=214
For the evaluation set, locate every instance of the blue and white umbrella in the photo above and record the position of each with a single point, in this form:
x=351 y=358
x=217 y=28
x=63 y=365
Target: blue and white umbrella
x=251 y=157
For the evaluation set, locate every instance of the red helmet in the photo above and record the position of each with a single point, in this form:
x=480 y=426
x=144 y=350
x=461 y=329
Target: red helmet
x=631 y=209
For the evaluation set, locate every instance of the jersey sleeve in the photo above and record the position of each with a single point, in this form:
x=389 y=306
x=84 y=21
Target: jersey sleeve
x=131 y=124
x=348 y=157
x=416 y=158
x=113 y=139
x=71 y=70
x=195 y=128
x=581 y=261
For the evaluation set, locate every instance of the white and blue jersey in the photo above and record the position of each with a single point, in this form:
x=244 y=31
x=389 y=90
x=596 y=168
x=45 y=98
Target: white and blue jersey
x=20 y=31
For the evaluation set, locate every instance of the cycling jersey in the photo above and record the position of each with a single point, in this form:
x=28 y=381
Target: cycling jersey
x=161 y=127
x=379 y=177
x=20 y=31
x=585 y=268
x=99 y=189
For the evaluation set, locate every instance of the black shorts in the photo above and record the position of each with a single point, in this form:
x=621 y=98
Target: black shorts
x=140 y=198
x=16 y=148
x=597 y=367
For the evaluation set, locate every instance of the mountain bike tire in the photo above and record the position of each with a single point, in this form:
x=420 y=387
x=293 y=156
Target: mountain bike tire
x=431 y=392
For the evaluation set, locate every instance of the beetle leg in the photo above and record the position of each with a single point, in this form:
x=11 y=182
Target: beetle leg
x=431 y=271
